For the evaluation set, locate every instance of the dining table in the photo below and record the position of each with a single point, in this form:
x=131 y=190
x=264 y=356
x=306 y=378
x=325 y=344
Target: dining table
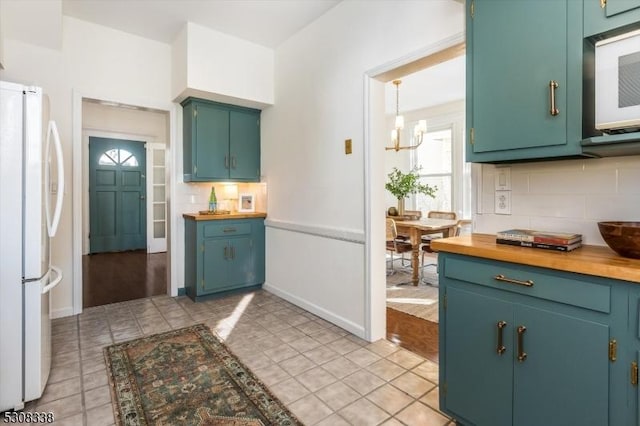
x=415 y=229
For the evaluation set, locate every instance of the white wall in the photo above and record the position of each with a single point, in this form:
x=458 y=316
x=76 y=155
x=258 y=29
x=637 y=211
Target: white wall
x=97 y=62
x=313 y=185
x=220 y=67
x=571 y=196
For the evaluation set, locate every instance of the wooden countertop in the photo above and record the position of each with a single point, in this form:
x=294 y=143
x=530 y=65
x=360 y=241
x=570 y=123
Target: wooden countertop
x=198 y=216
x=599 y=261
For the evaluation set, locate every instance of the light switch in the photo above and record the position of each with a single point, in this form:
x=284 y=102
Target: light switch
x=503 y=202
x=347 y=146
x=503 y=179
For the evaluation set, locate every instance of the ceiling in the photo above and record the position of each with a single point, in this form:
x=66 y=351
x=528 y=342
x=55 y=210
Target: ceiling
x=264 y=22
x=431 y=86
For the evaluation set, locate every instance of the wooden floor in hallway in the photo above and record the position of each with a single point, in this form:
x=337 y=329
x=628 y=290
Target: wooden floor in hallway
x=412 y=333
x=118 y=277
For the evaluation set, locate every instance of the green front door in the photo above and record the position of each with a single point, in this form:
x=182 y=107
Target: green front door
x=117 y=195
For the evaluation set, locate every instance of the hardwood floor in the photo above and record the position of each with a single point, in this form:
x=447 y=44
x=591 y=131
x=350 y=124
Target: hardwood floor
x=412 y=333
x=118 y=277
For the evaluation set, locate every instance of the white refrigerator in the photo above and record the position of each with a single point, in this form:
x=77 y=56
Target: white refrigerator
x=31 y=190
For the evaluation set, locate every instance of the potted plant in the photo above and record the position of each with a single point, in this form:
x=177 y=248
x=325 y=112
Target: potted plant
x=401 y=185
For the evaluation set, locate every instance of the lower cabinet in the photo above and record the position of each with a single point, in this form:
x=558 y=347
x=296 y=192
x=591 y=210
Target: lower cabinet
x=223 y=255
x=528 y=346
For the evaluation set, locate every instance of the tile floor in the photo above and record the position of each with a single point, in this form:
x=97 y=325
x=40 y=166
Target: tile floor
x=323 y=374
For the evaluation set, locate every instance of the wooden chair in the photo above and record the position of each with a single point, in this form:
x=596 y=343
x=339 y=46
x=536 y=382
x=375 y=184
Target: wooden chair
x=394 y=245
x=405 y=237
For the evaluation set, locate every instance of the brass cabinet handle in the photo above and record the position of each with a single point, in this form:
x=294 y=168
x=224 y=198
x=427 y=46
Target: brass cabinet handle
x=233 y=162
x=226 y=162
x=500 y=348
x=522 y=355
x=603 y=3
x=500 y=277
x=634 y=373
x=553 y=85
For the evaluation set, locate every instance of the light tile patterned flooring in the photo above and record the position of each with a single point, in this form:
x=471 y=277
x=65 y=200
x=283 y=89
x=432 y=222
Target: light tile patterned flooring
x=323 y=374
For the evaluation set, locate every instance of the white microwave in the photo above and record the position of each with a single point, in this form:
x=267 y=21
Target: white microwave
x=617 y=85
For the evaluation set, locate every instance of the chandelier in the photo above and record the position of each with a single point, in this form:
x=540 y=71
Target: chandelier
x=418 y=131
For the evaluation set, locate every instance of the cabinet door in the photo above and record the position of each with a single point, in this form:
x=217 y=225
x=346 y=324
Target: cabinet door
x=211 y=155
x=215 y=260
x=617 y=16
x=564 y=379
x=478 y=379
x=518 y=47
x=242 y=264
x=245 y=145
x=613 y=7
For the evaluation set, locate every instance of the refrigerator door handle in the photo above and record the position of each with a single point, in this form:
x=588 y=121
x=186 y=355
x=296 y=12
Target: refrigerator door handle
x=55 y=282
x=52 y=224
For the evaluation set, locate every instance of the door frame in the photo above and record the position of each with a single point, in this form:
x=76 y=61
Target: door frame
x=374 y=138
x=86 y=135
x=79 y=195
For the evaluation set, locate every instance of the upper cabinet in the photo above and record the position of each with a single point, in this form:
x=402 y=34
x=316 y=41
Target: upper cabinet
x=221 y=142
x=601 y=16
x=524 y=79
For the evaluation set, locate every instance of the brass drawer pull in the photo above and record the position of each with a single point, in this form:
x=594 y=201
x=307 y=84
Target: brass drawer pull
x=500 y=348
x=553 y=85
x=522 y=355
x=634 y=373
x=228 y=230
x=500 y=277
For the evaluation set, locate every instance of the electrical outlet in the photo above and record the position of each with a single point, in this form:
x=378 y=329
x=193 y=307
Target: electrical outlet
x=503 y=202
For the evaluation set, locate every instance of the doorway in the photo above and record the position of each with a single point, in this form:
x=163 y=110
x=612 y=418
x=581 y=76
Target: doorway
x=122 y=189
x=378 y=322
x=117 y=195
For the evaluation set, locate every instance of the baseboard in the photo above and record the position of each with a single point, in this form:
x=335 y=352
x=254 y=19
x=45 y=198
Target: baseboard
x=61 y=313
x=346 y=324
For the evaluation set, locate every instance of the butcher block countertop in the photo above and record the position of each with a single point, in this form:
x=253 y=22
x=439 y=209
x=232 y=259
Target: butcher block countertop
x=599 y=261
x=198 y=216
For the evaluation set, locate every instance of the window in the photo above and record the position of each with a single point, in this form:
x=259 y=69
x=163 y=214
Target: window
x=435 y=156
x=441 y=157
x=115 y=157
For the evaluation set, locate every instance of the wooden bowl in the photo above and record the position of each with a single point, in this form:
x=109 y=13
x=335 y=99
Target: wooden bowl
x=622 y=237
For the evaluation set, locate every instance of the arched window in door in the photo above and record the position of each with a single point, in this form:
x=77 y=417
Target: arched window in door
x=115 y=157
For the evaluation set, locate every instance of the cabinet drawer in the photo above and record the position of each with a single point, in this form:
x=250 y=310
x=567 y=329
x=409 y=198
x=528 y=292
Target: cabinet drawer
x=226 y=229
x=549 y=285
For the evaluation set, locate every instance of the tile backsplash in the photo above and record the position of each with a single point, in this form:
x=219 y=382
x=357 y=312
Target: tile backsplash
x=567 y=195
x=195 y=196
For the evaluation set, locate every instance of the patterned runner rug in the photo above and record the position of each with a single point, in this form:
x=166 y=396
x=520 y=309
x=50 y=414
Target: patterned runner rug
x=187 y=377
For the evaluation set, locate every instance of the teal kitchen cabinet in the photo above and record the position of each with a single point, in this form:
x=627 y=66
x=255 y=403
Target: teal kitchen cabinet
x=223 y=255
x=524 y=79
x=220 y=142
x=610 y=16
x=633 y=356
x=529 y=346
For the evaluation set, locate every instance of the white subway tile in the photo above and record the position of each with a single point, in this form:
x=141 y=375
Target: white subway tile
x=629 y=180
x=613 y=207
x=548 y=205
